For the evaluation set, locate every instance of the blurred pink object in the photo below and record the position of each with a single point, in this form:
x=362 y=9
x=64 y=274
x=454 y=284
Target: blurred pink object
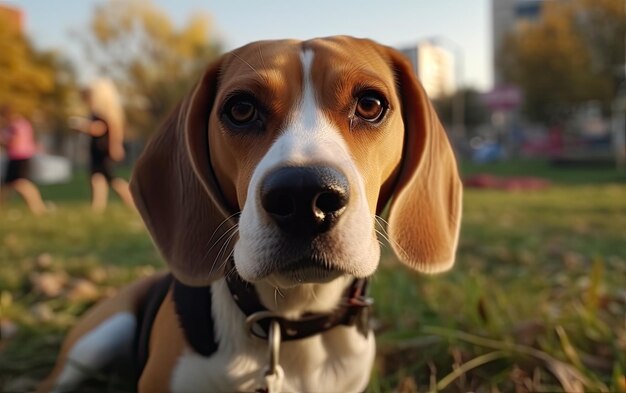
x=514 y=183
x=20 y=140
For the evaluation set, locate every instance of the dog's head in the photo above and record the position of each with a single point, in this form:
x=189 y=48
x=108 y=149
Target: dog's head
x=308 y=141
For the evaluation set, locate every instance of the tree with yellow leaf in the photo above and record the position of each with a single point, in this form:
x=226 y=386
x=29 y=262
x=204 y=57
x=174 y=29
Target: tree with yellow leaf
x=567 y=57
x=24 y=78
x=35 y=84
x=151 y=60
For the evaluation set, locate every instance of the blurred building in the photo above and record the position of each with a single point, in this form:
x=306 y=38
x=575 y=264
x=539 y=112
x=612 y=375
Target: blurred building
x=506 y=16
x=14 y=17
x=434 y=66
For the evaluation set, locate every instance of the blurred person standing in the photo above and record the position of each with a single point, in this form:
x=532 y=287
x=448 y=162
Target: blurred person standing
x=105 y=125
x=18 y=139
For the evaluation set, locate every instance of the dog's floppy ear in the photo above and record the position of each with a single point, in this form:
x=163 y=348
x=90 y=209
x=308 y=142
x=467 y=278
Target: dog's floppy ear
x=425 y=212
x=177 y=194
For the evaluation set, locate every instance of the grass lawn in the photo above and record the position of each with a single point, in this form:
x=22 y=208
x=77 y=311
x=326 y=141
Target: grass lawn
x=536 y=301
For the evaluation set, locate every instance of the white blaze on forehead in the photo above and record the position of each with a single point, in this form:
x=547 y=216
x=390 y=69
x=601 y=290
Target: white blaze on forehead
x=309 y=136
x=308 y=106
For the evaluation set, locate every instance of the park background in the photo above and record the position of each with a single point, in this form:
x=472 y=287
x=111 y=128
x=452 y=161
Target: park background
x=532 y=94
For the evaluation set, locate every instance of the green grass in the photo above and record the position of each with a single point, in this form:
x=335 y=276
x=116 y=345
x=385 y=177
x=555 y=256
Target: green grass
x=529 y=265
x=579 y=175
x=535 y=302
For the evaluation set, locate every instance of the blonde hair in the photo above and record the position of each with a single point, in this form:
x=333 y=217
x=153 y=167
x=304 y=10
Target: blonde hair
x=105 y=102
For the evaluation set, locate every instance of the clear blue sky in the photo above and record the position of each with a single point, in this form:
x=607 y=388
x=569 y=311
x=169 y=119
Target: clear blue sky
x=464 y=23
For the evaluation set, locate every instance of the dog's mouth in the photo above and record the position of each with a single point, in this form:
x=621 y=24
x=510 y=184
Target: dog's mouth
x=306 y=271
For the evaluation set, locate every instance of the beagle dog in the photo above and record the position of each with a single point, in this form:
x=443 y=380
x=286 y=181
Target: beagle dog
x=262 y=192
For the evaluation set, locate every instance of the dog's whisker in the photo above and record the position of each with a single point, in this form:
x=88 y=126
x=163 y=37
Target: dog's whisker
x=381 y=222
x=228 y=257
x=249 y=65
x=385 y=234
x=225 y=245
x=262 y=59
x=224 y=221
x=383 y=228
x=380 y=219
x=223 y=249
x=385 y=237
x=226 y=232
x=230 y=272
x=223 y=264
x=382 y=234
x=233 y=232
x=276 y=293
x=280 y=293
x=397 y=247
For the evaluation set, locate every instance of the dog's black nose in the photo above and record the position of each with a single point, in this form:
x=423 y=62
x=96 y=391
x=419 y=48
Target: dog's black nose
x=305 y=200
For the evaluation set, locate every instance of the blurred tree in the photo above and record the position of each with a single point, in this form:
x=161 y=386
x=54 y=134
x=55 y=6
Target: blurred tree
x=59 y=102
x=24 y=79
x=603 y=26
x=474 y=112
x=566 y=57
x=37 y=84
x=153 y=62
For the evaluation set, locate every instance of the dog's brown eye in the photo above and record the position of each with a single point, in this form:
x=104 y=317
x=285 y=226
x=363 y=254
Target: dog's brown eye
x=370 y=107
x=241 y=112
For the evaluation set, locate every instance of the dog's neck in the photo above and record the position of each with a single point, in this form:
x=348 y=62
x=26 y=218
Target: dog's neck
x=313 y=364
x=305 y=298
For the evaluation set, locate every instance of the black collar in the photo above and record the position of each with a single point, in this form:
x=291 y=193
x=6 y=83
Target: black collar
x=352 y=311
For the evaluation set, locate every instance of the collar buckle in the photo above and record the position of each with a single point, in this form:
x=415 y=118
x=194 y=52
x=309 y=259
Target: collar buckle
x=254 y=327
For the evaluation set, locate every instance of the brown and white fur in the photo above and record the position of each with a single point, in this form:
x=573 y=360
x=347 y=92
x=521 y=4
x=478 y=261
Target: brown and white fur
x=266 y=106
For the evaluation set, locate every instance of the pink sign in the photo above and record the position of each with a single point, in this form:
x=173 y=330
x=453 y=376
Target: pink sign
x=503 y=98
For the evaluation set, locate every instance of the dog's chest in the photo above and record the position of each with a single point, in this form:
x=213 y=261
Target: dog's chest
x=310 y=367
x=339 y=360
x=221 y=372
